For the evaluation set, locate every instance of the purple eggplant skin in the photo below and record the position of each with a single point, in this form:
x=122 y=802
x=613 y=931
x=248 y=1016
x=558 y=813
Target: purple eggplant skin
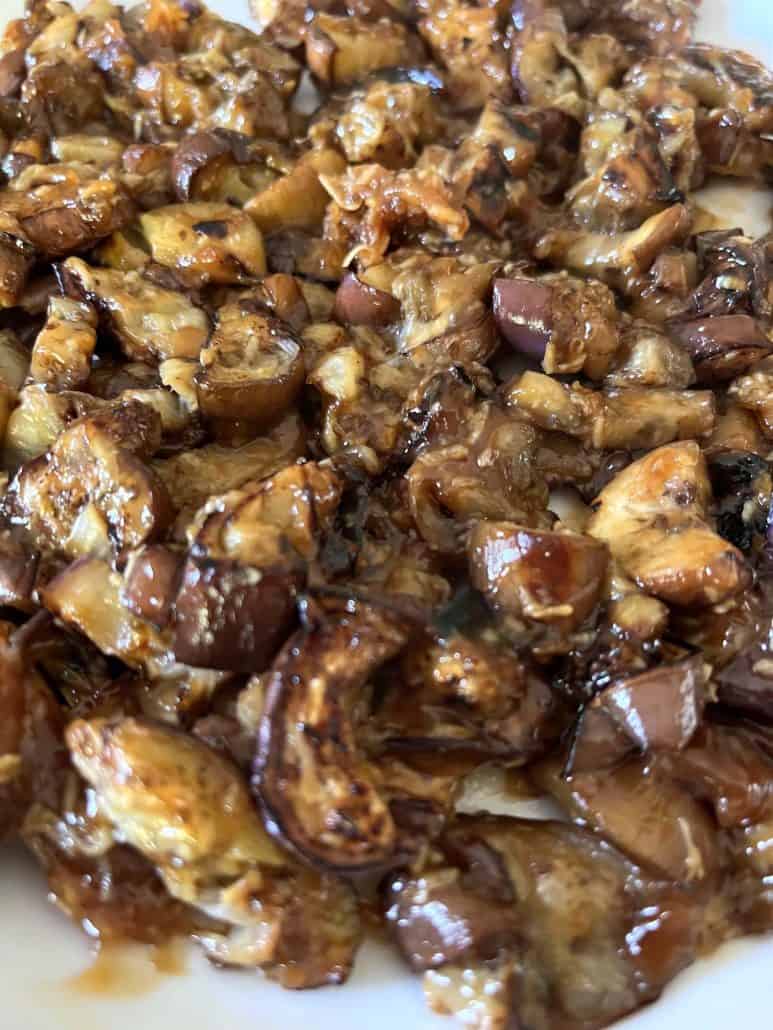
x=357 y=303
x=746 y=683
x=723 y=346
x=232 y=616
x=151 y=581
x=523 y=314
x=659 y=709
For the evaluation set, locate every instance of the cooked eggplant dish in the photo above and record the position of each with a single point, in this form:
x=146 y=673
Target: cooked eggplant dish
x=381 y=413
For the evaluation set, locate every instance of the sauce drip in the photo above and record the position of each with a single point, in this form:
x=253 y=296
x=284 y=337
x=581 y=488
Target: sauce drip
x=123 y=970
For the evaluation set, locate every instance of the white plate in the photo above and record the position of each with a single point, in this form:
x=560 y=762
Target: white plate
x=40 y=951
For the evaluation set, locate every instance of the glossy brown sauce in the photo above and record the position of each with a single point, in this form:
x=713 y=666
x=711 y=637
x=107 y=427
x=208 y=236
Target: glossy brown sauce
x=124 y=970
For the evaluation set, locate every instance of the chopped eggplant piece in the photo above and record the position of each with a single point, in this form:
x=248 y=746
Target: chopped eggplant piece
x=746 y=683
x=658 y=710
x=34 y=424
x=316 y=789
x=654 y=516
x=541 y=922
x=192 y=476
x=61 y=356
x=232 y=616
x=357 y=303
x=724 y=346
x=251 y=370
x=151 y=583
x=462 y=695
x=205 y=243
x=566 y=325
x=296 y=200
x=89 y=494
x=632 y=418
x=60 y=219
x=297 y=506
x=642 y=812
x=340 y=51
x=17 y=256
x=147 y=779
x=615 y=258
x=87 y=596
x=149 y=322
x=546 y=577
x=731 y=767
x=193 y=154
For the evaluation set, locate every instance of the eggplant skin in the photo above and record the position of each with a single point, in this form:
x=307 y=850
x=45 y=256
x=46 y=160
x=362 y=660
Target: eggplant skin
x=232 y=616
x=317 y=792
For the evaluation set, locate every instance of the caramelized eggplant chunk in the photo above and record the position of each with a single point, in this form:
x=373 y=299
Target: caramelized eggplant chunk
x=315 y=788
x=549 y=924
x=753 y=897
x=297 y=199
x=453 y=915
x=340 y=51
x=89 y=494
x=661 y=709
x=648 y=357
x=63 y=218
x=232 y=616
x=87 y=596
x=751 y=392
x=357 y=303
x=742 y=488
x=491 y=473
x=190 y=477
x=630 y=418
x=13 y=694
x=18 y=570
x=537 y=575
x=149 y=322
x=631 y=185
x=251 y=370
x=17 y=256
x=654 y=516
x=731 y=767
x=388 y=123
x=34 y=424
x=187 y=811
x=723 y=346
x=371 y=203
x=151 y=583
x=118 y=895
x=195 y=153
x=746 y=682
x=641 y=811
x=464 y=695
x=12 y=72
x=467 y=42
x=550 y=69
x=659 y=26
x=597 y=743
x=616 y=259
x=61 y=355
x=205 y=243
x=567 y=325
x=296 y=506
